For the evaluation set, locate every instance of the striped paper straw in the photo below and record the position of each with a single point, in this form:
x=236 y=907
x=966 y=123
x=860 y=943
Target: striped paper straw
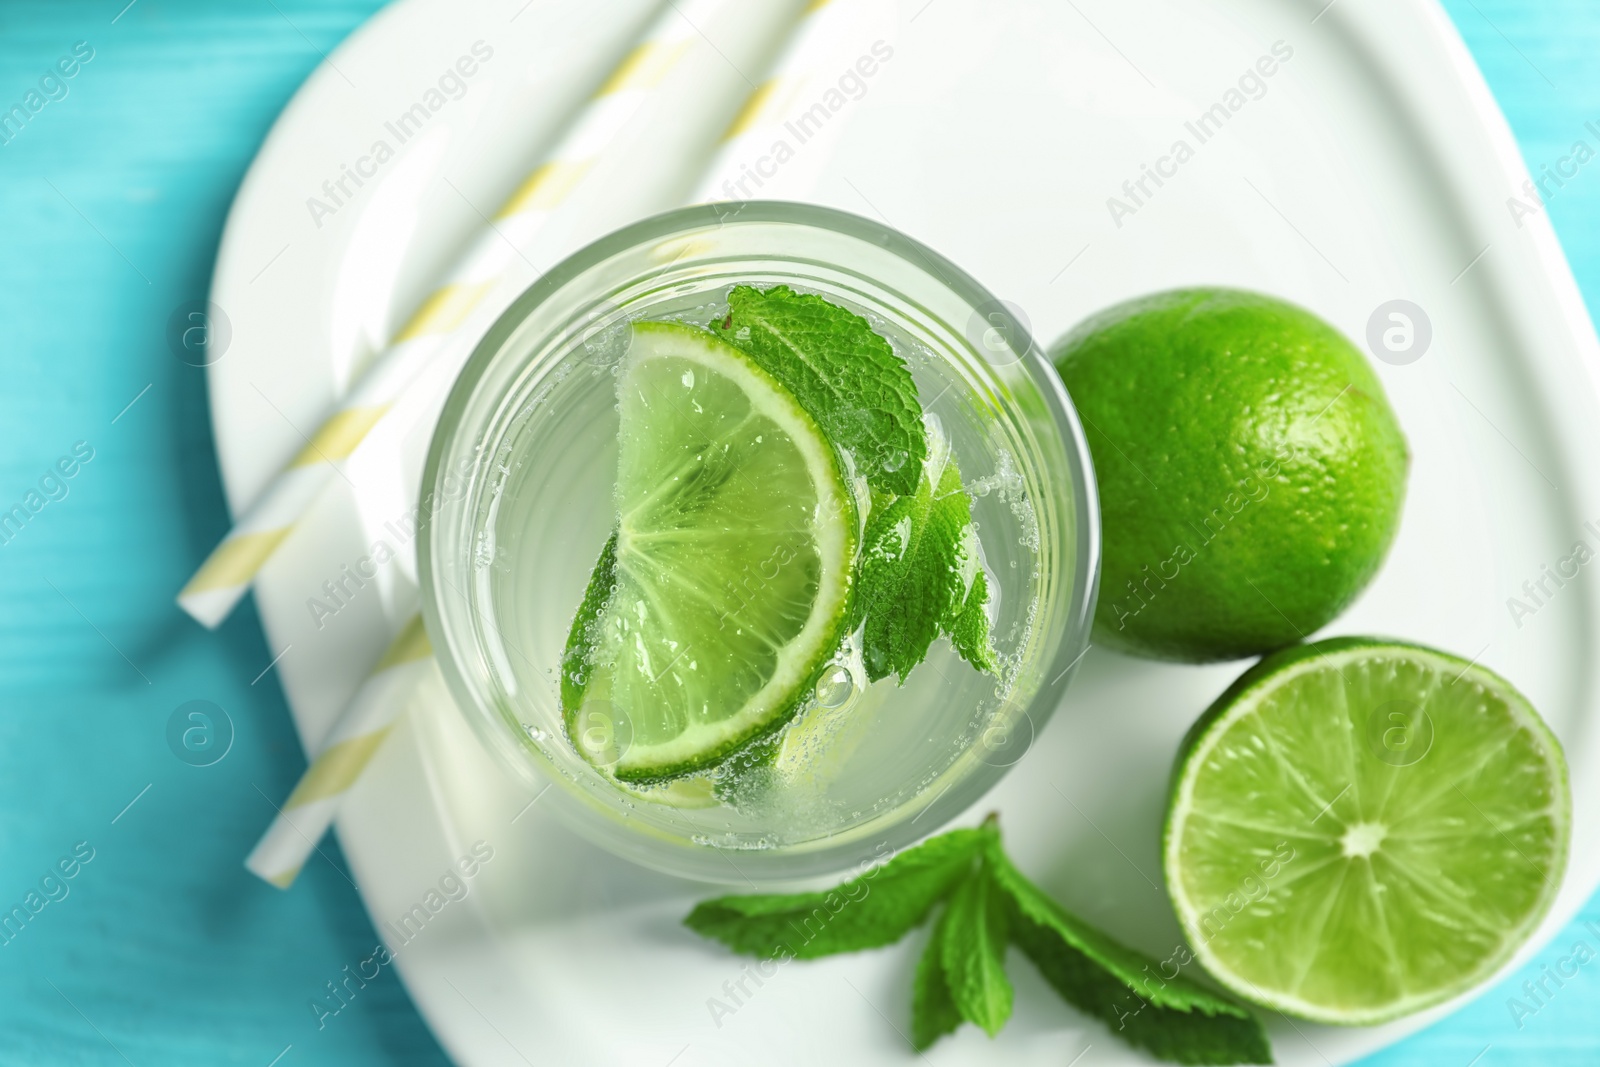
x=350 y=745
x=222 y=579
x=366 y=721
x=789 y=117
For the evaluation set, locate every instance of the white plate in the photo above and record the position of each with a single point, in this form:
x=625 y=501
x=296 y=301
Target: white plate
x=1375 y=166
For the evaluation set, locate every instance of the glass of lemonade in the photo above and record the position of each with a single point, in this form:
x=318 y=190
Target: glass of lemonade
x=847 y=768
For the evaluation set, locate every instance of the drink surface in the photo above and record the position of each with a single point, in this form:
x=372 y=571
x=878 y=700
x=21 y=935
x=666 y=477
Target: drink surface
x=847 y=748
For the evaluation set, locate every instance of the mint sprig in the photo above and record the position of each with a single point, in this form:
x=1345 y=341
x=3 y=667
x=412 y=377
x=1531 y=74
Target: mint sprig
x=844 y=374
x=988 y=906
x=919 y=575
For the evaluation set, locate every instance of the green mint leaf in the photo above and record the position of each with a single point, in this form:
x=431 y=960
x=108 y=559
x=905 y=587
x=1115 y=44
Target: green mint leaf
x=843 y=373
x=920 y=577
x=877 y=908
x=1173 y=1017
x=966 y=619
x=933 y=1010
x=583 y=638
x=899 y=603
x=973 y=951
x=968 y=626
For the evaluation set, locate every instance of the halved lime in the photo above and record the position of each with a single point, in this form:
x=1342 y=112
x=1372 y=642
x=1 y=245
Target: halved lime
x=1359 y=829
x=731 y=564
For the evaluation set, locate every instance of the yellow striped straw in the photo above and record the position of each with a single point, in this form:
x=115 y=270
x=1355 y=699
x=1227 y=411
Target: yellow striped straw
x=350 y=745
x=227 y=572
x=779 y=141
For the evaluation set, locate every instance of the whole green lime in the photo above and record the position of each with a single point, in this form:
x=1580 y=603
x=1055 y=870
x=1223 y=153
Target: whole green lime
x=1251 y=471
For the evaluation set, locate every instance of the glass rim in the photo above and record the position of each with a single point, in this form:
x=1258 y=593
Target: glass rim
x=1077 y=616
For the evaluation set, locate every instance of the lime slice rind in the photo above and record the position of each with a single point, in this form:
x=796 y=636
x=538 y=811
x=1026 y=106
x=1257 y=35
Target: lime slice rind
x=1350 y=875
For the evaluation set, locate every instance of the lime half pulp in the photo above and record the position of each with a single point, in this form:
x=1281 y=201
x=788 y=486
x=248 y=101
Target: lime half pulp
x=1360 y=829
x=730 y=567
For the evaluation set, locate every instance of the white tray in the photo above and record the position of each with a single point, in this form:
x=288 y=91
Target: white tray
x=1375 y=166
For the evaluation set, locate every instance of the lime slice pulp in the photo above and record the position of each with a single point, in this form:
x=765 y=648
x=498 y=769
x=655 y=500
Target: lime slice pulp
x=732 y=562
x=1360 y=829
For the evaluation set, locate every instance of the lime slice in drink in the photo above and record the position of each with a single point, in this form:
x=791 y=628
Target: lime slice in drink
x=729 y=572
x=1360 y=829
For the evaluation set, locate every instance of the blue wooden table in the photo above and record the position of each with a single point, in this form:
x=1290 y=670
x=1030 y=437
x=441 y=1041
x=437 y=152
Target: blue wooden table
x=159 y=948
